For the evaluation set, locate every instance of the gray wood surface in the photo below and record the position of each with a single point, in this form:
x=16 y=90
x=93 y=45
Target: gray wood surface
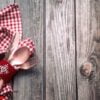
x=60 y=50
x=97 y=49
x=4 y=3
x=29 y=84
x=86 y=28
x=66 y=32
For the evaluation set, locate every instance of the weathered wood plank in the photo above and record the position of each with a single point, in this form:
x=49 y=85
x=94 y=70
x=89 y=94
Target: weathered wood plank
x=86 y=25
x=29 y=83
x=60 y=50
x=4 y=3
x=97 y=48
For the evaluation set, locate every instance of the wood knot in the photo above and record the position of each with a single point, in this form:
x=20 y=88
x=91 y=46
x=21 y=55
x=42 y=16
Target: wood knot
x=86 y=69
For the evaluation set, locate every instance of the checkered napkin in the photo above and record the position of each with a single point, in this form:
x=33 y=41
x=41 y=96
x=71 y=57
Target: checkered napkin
x=10 y=25
x=4 y=92
x=10 y=17
x=6 y=89
x=6 y=37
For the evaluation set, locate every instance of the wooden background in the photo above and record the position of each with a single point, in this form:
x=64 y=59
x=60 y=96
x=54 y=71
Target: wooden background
x=64 y=32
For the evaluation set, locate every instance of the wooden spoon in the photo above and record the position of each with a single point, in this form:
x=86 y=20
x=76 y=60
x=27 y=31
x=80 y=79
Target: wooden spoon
x=20 y=56
x=31 y=62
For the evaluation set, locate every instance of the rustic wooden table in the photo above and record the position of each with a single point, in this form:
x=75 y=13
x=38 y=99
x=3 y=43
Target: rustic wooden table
x=63 y=31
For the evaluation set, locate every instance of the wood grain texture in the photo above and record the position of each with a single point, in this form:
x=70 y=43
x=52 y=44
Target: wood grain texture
x=4 y=3
x=72 y=35
x=86 y=28
x=29 y=84
x=97 y=49
x=60 y=50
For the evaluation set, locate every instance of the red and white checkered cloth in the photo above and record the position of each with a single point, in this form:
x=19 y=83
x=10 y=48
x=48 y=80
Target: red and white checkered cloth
x=10 y=17
x=10 y=25
x=6 y=89
x=6 y=38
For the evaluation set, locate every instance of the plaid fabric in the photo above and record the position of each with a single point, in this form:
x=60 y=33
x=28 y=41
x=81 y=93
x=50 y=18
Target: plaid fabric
x=10 y=23
x=6 y=89
x=10 y=17
x=6 y=37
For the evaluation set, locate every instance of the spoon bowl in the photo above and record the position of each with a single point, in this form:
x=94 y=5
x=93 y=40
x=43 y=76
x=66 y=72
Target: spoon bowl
x=20 y=56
